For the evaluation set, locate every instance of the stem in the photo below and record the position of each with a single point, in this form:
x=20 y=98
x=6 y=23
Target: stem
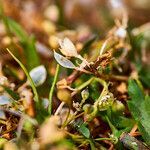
x=36 y=97
x=92 y=145
x=101 y=139
x=59 y=108
x=52 y=90
x=82 y=86
x=65 y=122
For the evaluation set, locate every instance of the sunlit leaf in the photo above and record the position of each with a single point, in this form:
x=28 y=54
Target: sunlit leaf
x=63 y=61
x=38 y=75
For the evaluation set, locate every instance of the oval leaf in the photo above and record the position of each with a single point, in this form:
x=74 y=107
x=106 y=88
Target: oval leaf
x=63 y=61
x=4 y=100
x=38 y=75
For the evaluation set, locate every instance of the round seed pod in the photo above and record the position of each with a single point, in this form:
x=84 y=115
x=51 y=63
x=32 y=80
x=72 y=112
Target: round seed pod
x=64 y=96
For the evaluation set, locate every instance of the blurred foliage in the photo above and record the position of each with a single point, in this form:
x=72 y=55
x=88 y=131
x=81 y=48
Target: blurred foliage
x=74 y=74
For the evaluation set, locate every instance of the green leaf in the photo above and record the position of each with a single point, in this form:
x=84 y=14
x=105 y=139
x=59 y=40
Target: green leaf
x=140 y=110
x=144 y=75
x=84 y=130
x=28 y=43
x=81 y=127
x=36 y=97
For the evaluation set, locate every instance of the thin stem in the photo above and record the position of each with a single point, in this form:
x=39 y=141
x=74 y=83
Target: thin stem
x=36 y=97
x=82 y=86
x=52 y=89
x=101 y=139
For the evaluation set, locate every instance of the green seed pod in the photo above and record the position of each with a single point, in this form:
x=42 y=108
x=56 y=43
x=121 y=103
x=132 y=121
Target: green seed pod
x=106 y=101
x=118 y=107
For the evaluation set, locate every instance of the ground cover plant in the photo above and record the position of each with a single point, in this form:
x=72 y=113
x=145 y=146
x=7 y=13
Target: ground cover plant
x=74 y=75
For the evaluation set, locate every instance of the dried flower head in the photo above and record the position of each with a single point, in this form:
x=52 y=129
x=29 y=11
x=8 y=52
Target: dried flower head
x=67 y=48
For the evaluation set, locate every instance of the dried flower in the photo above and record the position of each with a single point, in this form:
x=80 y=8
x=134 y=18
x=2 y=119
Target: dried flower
x=67 y=48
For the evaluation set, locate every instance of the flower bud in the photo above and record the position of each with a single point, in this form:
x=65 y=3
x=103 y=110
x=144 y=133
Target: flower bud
x=85 y=94
x=106 y=102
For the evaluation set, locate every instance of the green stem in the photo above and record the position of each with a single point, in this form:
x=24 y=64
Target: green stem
x=52 y=89
x=101 y=139
x=91 y=144
x=36 y=97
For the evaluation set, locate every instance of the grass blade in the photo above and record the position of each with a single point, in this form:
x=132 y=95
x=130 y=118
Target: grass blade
x=36 y=97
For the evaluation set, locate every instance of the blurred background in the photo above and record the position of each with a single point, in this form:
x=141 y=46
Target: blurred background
x=97 y=14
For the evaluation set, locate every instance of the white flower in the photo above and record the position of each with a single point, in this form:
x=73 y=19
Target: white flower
x=67 y=48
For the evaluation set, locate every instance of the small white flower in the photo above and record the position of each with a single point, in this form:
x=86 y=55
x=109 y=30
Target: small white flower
x=121 y=32
x=67 y=48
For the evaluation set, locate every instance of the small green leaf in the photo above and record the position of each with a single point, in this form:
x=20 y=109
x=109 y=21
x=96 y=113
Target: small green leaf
x=84 y=130
x=81 y=127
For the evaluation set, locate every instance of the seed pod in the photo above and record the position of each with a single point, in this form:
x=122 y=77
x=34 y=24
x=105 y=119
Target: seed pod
x=64 y=95
x=118 y=107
